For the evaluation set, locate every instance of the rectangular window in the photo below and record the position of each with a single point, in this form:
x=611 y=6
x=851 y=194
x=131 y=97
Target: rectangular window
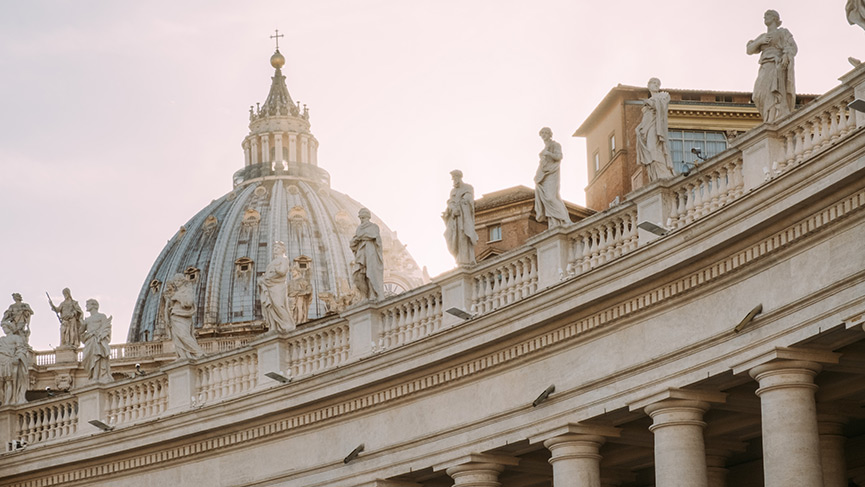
x=612 y=146
x=495 y=233
x=597 y=162
x=681 y=142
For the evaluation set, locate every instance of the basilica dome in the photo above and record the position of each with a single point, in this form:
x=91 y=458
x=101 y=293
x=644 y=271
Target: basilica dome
x=280 y=195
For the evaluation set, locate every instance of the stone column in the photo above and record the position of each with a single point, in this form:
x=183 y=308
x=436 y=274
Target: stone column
x=256 y=153
x=265 y=148
x=716 y=467
x=833 y=460
x=292 y=147
x=277 y=143
x=576 y=460
x=478 y=470
x=680 y=454
x=791 y=445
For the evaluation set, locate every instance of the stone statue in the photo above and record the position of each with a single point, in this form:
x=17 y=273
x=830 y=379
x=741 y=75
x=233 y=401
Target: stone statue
x=299 y=293
x=652 y=150
x=70 y=315
x=273 y=292
x=17 y=316
x=856 y=12
x=96 y=332
x=548 y=203
x=775 y=89
x=179 y=309
x=14 y=366
x=459 y=220
x=368 y=265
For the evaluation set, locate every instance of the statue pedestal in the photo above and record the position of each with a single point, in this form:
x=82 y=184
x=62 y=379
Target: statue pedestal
x=65 y=355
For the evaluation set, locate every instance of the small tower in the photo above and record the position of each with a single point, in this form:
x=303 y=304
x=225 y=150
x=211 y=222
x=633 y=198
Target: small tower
x=279 y=138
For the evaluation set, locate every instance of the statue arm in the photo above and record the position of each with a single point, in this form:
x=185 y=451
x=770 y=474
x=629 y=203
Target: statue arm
x=789 y=47
x=555 y=151
x=755 y=46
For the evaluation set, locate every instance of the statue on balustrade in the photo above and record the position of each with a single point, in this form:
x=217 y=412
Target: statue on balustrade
x=652 y=150
x=459 y=220
x=14 y=366
x=70 y=315
x=775 y=88
x=368 y=265
x=273 y=292
x=96 y=332
x=178 y=305
x=17 y=316
x=299 y=293
x=548 y=204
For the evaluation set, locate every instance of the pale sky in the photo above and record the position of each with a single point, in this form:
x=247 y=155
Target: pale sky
x=120 y=120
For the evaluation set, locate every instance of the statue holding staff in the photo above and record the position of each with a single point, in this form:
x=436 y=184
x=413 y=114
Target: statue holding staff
x=70 y=315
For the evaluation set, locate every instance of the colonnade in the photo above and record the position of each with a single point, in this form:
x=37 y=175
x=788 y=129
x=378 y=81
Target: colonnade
x=800 y=446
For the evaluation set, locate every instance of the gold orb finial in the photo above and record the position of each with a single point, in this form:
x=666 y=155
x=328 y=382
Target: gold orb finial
x=277 y=60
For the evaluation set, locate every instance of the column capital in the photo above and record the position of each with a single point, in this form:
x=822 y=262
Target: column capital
x=678 y=394
x=477 y=459
x=577 y=429
x=786 y=374
x=779 y=354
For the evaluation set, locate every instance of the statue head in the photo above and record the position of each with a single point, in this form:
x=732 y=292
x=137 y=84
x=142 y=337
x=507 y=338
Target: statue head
x=92 y=305
x=546 y=133
x=278 y=249
x=772 y=16
x=364 y=215
x=457 y=176
x=654 y=84
x=16 y=297
x=67 y=293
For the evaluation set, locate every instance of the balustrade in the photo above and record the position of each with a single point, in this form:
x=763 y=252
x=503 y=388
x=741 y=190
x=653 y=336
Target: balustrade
x=602 y=241
x=505 y=283
x=705 y=191
x=411 y=319
x=318 y=349
x=227 y=376
x=47 y=421
x=820 y=129
x=135 y=350
x=141 y=399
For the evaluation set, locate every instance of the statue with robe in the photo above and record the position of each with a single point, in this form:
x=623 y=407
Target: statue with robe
x=548 y=204
x=459 y=220
x=70 y=315
x=178 y=307
x=652 y=150
x=96 y=332
x=299 y=293
x=14 y=366
x=17 y=316
x=273 y=292
x=368 y=265
x=775 y=88
x=856 y=12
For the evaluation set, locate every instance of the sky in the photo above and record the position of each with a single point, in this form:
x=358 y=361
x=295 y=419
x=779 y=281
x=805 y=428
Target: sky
x=120 y=120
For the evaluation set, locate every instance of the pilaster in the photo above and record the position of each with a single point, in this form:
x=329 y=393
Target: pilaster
x=271 y=358
x=552 y=258
x=654 y=205
x=456 y=289
x=364 y=325
x=761 y=149
x=181 y=385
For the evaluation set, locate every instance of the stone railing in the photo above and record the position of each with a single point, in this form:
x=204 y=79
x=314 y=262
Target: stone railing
x=45 y=357
x=129 y=351
x=597 y=241
x=318 y=349
x=410 y=319
x=709 y=188
x=815 y=127
x=222 y=344
x=226 y=376
x=503 y=283
x=47 y=420
x=140 y=399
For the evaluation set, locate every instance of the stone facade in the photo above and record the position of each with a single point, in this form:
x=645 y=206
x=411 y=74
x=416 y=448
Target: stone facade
x=729 y=351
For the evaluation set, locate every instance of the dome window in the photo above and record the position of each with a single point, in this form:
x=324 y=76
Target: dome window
x=210 y=223
x=192 y=273
x=251 y=217
x=154 y=286
x=243 y=265
x=297 y=215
